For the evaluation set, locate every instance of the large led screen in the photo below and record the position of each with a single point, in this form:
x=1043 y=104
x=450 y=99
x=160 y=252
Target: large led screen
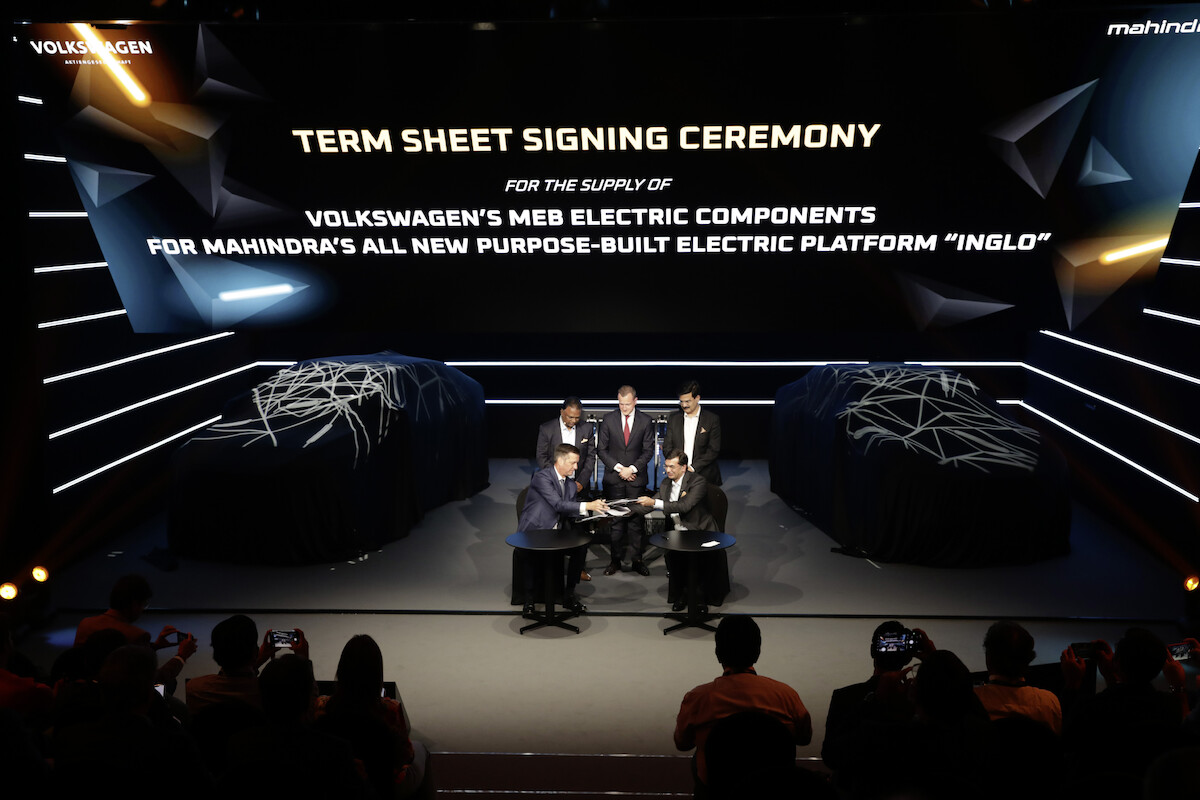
x=891 y=174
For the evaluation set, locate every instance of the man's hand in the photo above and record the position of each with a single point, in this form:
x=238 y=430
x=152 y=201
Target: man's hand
x=646 y=501
x=1073 y=669
x=301 y=648
x=1104 y=661
x=578 y=486
x=164 y=638
x=627 y=473
x=186 y=648
x=925 y=645
x=596 y=506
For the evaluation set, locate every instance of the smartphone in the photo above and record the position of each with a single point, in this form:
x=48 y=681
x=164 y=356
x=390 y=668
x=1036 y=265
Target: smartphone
x=902 y=642
x=1084 y=650
x=284 y=638
x=181 y=637
x=1180 y=651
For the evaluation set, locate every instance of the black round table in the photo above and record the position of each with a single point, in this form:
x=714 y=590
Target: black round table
x=545 y=544
x=692 y=545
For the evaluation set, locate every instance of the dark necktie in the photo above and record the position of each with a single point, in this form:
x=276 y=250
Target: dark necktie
x=627 y=431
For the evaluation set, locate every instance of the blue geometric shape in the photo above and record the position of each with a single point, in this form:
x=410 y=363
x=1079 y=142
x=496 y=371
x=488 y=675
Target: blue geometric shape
x=205 y=278
x=104 y=184
x=1034 y=141
x=1099 y=167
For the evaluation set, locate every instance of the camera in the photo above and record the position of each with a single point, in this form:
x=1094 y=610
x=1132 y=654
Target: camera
x=903 y=641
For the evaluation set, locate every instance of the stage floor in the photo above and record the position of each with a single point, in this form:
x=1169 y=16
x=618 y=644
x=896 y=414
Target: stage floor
x=438 y=603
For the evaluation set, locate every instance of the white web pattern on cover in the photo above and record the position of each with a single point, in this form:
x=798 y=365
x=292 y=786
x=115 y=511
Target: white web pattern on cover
x=298 y=396
x=952 y=426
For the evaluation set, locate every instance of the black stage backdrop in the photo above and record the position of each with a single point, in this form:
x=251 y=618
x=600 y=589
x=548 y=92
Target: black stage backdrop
x=861 y=175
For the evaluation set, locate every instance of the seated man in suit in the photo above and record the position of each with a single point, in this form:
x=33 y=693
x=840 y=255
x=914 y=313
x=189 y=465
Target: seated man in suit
x=566 y=429
x=697 y=432
x=549 y=503
x=683 y=497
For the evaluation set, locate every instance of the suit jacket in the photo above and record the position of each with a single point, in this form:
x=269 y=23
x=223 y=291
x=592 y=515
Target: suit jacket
x=544 y=506
x=707 y=448
x=550 y=437
x=613 y=450
x=692 y=505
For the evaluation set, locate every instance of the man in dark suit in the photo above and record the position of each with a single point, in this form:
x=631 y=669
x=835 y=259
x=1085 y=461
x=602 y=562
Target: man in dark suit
x=567 y=429
x=683 y=497
x=697 y=432
x=626 y=445
x=550 y=502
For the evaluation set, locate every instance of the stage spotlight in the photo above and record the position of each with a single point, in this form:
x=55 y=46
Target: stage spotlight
x=8 y=591
x=1191 y=582
x=40 y=574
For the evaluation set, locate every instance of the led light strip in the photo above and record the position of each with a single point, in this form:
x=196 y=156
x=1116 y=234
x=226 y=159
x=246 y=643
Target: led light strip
x=36 y=101
x=135 y=454
x=57 y=214
x=1183 y=262
x=39 y=157
x=88 y=318
x=155 y=399
x=1113 y=453
x=70 y=267
x=650 y=363
x=1130 y=359
x=1165 y=315
x=1144 y=417
x=136 y=357
x=1189 y=205
x=612 y=402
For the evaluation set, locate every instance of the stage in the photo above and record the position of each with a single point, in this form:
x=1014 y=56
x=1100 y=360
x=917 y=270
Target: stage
x=437 y=602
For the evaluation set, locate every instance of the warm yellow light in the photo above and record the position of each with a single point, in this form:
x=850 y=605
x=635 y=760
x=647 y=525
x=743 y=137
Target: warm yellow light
x=1134 y=250
x=8 y=591
x=129 y=84
x=40 y=574
x=1191 y=582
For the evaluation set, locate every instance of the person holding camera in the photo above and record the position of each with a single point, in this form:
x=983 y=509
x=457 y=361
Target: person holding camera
x=882 y=697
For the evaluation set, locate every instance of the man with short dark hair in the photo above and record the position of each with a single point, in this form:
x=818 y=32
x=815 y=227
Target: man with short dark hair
x=697 y=432
x=126 y=603
x=549 y=503
x=683 y=497
x=239 y=653
x=1008 y=652
x=740 y=688
x=567 y=428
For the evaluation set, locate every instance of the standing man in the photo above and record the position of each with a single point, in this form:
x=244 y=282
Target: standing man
x=626 y=447
x=740 y=688
x=683 y=497
x=697 y=432
x=549 y=503
x=566 y=429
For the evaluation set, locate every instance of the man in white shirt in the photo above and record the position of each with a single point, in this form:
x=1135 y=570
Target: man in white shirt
x=697 y=432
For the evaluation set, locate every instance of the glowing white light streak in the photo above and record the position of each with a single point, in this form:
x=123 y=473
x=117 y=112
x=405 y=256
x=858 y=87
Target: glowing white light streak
x=150 y=400
x=135 y=454
x=40 y=157
x=1189 y=205
x=21 y=98
x=1167 y=315
x=256 y=292
x=58 y=215
x=87 y=318
x=1135 y=250
x=71 y=267
x=648 y=363
x=1132 y=411
x=1181 y=376
x=135 y=357
x=1113 y=453
x=1182 y=262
